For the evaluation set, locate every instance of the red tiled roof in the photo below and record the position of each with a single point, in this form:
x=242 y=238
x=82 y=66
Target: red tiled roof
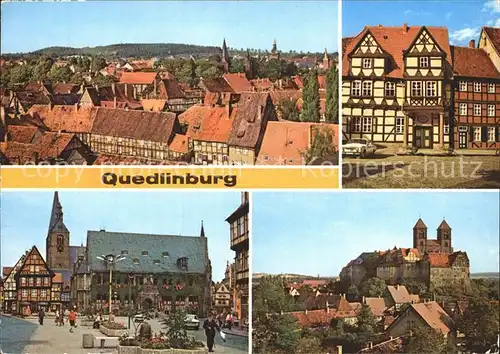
x=395 y=40
x=66 y=88
x=170 y=89
x=322 y=317
x=473 y=62
x=110 y=159
x=155 y=105
x=138 y=78
x=434 y=316
x=314 y=283
x=399 y=294
x=377 y=305
x=179 y=144
x=238 y=82
x=439 y=260
x=207 y=123
x=22 y=133
x=262 y=84
x=494 y=36
x=57 y=278
x=218 y=84
x=6 y=271
x=420 y=224
x=322 y=82
x=285 y=142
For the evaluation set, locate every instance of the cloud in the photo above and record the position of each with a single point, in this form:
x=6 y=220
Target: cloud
x=448 y=15
x=464 y=34
x=491 y=6
x=494 y=23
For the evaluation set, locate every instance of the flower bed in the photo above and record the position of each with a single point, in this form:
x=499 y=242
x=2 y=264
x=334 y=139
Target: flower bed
x=113 y=329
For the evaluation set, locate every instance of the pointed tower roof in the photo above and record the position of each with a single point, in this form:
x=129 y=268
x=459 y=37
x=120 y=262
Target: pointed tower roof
x=225 y=52
x=56 y=223
x=275 y=47
x=444 y=225
x=202 y=232
x=325 y=57
x=420 y=224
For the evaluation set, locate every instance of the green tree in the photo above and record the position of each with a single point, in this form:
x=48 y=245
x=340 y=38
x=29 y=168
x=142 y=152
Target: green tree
x=20 y=74
x=273 y=332
x=366 y=320
x=237 y=66
x=308 y=345
x=100 y=79
x=414 y=287
x=42 y=68
x=271 y=69
x=480 y=323
x=332 y=91
x=288 y=110
x=98 y=63
x=426 y=340
x=352 y=292
x=323 y=145
x=373 y=287
x=62 y=74
x=310 y=98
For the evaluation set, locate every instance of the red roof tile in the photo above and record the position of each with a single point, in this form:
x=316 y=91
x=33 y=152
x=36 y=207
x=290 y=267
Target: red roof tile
x=179 y=144
x=110 y=159
x=395 y=40
x=399 y=294
x=434 y=316
x=170 y=89
x=473 y=62
x=207 y=123
x=22 y=133
x=154 y=105
x=494 y=36
x=263 y=84
x=238 y=82
x=439 y=260
x=138 y=78
x=377 y=305
x=316 y=318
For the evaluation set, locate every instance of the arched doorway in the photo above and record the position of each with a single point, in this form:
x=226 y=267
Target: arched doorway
x=147 y=304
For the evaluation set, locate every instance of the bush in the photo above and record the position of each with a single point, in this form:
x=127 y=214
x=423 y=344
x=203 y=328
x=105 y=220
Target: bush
x=176 y=332
x=127 y=341
x=113 y=325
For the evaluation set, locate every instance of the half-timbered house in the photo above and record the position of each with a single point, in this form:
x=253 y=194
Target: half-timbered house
x=10 y=304
x=476 y=99
x=140 y=84
x=34 y=283
x=489 y=41
x=396 y=86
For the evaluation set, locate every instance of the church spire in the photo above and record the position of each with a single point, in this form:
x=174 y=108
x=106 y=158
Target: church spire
x=202 y=232
x=275 y=47
x=56 y=223
x=225 y=56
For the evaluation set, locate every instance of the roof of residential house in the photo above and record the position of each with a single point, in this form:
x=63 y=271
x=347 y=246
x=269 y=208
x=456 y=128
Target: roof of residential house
x=207 y=123
x=112 y=159
x=494 y=36
x=441 y=260
x=58 y=278
x=285 y=142
x=64 y=98
x=218 y=84
x=147 y=253
x=473 y=62
x=154 y=105
x=6 y=271
x=262 y=84
x=433 y=315
x=238 y=82
x=394 y=41
x=138 y=78
x=249 y=121
x=170 y=89
x=66 y=88
x=140 y=125
x=37 y=86
x=399 y=294
x=281 y=95
x=378 y=305
x=179 y=144
x=321 y=317
x=22 y=133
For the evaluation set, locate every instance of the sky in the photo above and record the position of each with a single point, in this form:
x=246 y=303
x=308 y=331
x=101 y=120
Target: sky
x=319 y=233
x=463 y=19
x=299 y=25
x=25 y=218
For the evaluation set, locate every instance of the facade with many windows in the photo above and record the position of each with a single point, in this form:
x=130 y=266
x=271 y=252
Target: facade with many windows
x=401 y=85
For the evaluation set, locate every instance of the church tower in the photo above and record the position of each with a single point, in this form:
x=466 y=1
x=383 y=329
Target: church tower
x=57 y=242
x=444 y=237
x=274 y=52
x=420 y=236
x=326 y=61
x=225 y=57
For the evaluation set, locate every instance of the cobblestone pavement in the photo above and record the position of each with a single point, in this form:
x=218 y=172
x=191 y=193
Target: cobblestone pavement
x=28 y=337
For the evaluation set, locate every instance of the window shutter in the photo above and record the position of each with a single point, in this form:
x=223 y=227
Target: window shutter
x=484 y=134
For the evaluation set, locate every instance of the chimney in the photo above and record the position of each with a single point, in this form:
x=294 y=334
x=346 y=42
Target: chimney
x=405 y=28
x=76 y=107
x=114 y=102
x=50 y=106
x=306 y=312
x=113 y=88
x=397 y=287
x=261 y=109
x=35 y=158
x=126 y=90
x=309 y=143
x=228 y=109
x=343 y=296
x=364 y=300
x=472 y=43
x=370 y=345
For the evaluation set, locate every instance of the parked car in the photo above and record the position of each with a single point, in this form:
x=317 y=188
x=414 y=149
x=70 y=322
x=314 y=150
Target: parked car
x=359 y=147
x=192 y=322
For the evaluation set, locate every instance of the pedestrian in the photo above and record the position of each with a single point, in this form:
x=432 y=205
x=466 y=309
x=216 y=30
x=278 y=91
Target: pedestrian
x=58 y=317
x=97 y=321
x=229 y=320
x=210 y=327
x=61 y=318
x=145 y=331
x=41 y=314
x=72 y=320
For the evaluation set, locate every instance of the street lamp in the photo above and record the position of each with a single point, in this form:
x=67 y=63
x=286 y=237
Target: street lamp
x=110 y=260
x=130 y=280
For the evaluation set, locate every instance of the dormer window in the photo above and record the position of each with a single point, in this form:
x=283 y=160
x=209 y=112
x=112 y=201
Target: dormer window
x=156 y=261
x=423 y=62
x=145 y=253
x=367 y=63
x=165 y=254
x=182 y=263
x=124 y=252
x=136 y=261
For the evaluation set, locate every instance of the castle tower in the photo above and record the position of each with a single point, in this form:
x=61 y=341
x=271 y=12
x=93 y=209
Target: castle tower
x=420 y=236
x=326 y=61
x=225 y=57
x=57 y=242
x=444 y=237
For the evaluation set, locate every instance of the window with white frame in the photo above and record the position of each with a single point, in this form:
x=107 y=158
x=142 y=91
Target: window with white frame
x=367 y=63
x=446 y=129
x=477 y=133
x=491 y=110
x=416 y=88
x=367 y=88
x=431 y=89
x=491 y=134
x=491 y=88
x=477 y=87
x=390 y=89
x=356 y=124
x=400 y=125
x=424 y=62
x=477 y=109
x=356 y=88
x=463 y=109
x=367 y=124
x=462 y=85
x=24 y=293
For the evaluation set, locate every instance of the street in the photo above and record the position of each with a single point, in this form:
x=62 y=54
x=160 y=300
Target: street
x=27 y=336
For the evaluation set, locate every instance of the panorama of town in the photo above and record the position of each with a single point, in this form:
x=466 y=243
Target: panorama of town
x=419 y=297
x=126 y=292
x=169 y=104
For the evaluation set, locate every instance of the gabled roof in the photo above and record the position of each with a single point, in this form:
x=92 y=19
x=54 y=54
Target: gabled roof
x=34 y=251
x=163 y=252
x=138 y=78
x=378 y=305
x=22 y=133
x=399 y=294
x=179 y=144
x=394 y=41
x=207 y=123
x=420 y=224
x=493 y=34
x=473 y=62
x=66 y=88
x=433 y=315
x=170 y=89
x=238 y=82
x=444 y=226
x=218 y=84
